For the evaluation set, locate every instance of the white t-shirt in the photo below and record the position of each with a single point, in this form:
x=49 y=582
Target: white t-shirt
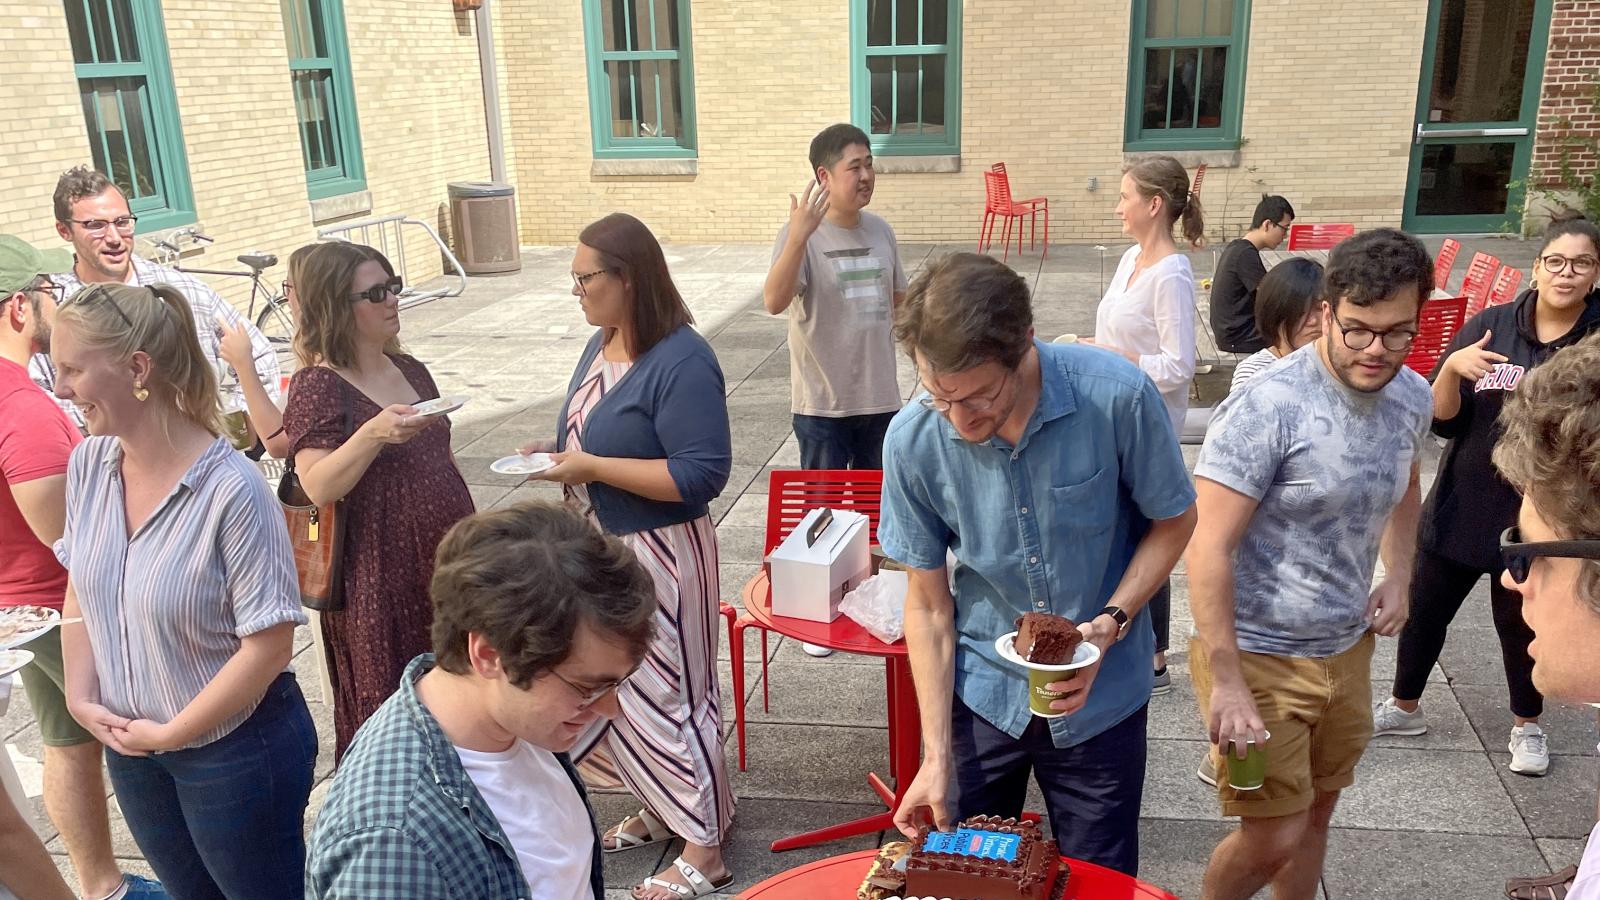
x=1587 y=885
x=542 y=815
x=1154 y=318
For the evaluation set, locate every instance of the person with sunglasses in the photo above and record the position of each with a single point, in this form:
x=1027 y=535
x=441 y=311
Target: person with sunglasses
x=92 y=214
x=462 y=784
x=1310 y=472
x=1470 y=504
x=1239 y=273
x=354 y=437
x=1546 y=452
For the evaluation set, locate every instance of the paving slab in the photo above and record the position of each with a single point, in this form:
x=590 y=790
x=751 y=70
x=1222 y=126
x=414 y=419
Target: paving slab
x=1428 y=790
x=1559 y=805
x=1379 y=865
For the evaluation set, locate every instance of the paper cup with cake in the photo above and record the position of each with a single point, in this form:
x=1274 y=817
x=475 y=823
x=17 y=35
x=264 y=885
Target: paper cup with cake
x=1052 y=650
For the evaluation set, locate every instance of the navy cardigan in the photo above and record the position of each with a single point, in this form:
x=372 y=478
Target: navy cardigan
x=672 y=404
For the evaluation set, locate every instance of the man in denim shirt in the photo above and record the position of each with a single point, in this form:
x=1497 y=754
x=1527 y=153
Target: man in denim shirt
x=459 y=785
x=1053 y=474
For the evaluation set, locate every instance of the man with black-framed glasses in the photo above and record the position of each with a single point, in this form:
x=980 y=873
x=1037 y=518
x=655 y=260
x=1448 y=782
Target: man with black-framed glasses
x=1309 y=472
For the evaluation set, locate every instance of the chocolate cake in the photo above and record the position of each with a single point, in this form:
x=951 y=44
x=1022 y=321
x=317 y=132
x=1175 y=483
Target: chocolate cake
x=1043 y=638
x=985 y=858
x=887 y=877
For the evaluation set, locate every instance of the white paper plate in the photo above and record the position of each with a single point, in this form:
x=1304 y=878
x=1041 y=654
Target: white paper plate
x=21 y=624
x=517 y=464
x=12 y=660
x=1086 y=654
x=440 y=406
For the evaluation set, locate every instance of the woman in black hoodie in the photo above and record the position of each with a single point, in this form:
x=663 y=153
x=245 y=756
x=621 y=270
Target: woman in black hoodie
x=1459 y=540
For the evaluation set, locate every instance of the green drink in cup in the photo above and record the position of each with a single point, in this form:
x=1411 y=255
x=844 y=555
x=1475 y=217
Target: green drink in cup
x=1250 y=773
x=1041 y=676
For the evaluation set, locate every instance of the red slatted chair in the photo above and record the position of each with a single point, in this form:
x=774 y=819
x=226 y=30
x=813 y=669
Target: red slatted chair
x=1318 y=237
x=1198 y=179
x=1479 y=277
x=1506 y=282
x=793 y=493
x=999 y=204
x=1444 y=262
x=1438 y=323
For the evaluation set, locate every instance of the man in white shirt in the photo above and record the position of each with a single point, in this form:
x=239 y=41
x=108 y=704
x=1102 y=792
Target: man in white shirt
x=459 y=785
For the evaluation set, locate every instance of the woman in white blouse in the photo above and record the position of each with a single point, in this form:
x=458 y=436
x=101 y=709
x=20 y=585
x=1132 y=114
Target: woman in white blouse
x=1147 y=313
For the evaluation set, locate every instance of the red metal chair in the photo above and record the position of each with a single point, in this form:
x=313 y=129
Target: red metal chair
x=999 y=204
x=1479 y=277
x=791 y=494
x=1198 y=179
x=1506 y=282
x=1438 y=323
x=1318 y=237
x=1444 y=262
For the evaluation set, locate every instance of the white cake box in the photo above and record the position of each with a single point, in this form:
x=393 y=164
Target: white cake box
x=809 y=581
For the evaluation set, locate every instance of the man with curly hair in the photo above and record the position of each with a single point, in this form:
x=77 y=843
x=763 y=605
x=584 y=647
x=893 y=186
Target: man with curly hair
x=1308 y=473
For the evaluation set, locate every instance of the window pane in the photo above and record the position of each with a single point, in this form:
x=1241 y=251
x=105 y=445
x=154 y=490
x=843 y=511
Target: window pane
x=135 y=100
x=1159 y=17
x=907 y=90
x=1480 y=61
x=100 y=24
x=1213 y=78
x=667 y=30
x=1219 y=17
x=933 y=80
x=312 y=104
x=117 y=134
x=1191 y=22
x=319 y=35
x=127 y=41
x=643 y=34
x=1464 y=179
x=1185 y=74
x=936 y=21
x=1157 y=66
x=615 y=25
x=624 y=78
x=906 y=22
x=663 y=117
x=881 y=79
x=78 y=32
x=878 y=23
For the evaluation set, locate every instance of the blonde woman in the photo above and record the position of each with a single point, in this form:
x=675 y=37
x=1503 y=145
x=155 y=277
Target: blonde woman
x=182 y=572
x=354 y=437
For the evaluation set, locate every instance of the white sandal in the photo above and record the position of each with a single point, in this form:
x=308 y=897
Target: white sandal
x=699 y=885
x=622 y=839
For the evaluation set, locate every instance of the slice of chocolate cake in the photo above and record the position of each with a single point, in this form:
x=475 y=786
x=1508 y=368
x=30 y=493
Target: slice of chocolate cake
x=1046 y=639
x=985 y=858
x=887 y=877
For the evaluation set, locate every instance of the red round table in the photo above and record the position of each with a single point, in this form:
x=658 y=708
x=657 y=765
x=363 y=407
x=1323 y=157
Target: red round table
x=839 y=876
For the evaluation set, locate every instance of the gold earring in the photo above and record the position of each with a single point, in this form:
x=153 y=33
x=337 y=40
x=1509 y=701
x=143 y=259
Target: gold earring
x=140 y=392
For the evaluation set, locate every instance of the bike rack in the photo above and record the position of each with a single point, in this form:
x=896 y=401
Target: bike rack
x=387 y=234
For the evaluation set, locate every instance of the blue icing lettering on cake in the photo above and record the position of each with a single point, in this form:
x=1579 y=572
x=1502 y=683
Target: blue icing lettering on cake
x=975 y=843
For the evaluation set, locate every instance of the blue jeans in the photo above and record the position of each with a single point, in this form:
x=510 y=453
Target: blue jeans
x=1092 y=791
x=847 y=442
x=226 y=820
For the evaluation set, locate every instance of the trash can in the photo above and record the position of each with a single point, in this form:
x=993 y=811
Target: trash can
x=483 y=222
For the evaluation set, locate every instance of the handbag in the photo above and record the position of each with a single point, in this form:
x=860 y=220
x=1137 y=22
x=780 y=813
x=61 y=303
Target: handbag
x=317 y=535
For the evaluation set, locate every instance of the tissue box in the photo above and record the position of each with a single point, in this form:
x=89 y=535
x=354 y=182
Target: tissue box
x=809 y=582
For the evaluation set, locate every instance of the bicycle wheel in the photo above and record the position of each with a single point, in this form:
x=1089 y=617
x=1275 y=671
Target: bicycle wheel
x=277 y=323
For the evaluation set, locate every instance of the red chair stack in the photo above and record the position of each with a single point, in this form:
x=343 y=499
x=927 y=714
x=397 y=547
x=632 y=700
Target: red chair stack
x=1436 y=326
x=1506 y=282
x=1475 y=286
x=1444 y=262
x=1318 y=237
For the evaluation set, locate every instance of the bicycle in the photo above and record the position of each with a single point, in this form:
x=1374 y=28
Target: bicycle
x=275 y=320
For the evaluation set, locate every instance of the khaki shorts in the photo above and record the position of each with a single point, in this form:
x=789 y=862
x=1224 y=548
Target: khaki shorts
x=1319 y=711
x=46 y=683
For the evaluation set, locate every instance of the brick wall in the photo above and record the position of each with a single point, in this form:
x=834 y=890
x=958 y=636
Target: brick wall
x=1571 y=73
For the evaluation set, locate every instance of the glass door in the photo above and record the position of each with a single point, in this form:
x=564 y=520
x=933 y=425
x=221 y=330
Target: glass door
x=1482 y=64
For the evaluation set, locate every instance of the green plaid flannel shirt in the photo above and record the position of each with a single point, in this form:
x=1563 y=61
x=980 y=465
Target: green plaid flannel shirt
x=403 y=818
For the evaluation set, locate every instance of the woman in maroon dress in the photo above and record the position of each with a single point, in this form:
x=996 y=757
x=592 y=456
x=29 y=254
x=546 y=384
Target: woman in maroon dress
x=354 y=437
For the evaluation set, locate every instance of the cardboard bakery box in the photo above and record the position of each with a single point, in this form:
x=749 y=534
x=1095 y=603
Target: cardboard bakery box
x=818 y=563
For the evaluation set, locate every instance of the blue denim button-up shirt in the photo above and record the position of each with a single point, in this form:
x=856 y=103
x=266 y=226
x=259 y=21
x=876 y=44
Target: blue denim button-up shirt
x=1049 y=525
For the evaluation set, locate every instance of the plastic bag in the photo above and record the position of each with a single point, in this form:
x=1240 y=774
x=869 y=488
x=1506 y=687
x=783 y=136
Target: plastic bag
x=879 y=605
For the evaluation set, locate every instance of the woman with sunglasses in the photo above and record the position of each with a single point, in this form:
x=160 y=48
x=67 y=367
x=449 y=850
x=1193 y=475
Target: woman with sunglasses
x=182 y=572
x=355 y=437
x=1470 y=504
x=1551 y=556
x=642 y=448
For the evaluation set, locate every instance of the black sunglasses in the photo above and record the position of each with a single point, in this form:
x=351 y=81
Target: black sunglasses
x=378 y=292
x=1519 y=556
x=98 y=292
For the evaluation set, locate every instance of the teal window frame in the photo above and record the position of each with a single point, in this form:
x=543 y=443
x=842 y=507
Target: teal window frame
x=609 y=146
x=348 y=173
x=861 y=82
x=167 y=201
x=1224 y=137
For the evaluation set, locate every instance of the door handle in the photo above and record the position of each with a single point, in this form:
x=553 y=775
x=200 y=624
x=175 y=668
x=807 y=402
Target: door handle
x=1467 y=133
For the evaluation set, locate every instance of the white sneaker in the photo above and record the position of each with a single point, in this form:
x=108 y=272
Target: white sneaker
x=816 y=650
x=1530 y=750
x=1207 y=772
x=1387 y=718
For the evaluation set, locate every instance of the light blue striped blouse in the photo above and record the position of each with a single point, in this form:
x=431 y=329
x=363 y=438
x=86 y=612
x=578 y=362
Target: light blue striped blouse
x=167 y=606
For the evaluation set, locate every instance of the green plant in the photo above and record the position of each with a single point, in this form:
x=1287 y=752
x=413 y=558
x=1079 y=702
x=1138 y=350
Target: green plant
x=1222 y=230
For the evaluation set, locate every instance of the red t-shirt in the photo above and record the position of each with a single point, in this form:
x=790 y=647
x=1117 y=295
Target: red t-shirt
x=35 y=440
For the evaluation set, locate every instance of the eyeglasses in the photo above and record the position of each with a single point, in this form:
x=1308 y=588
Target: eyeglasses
x=1519 y=556
x=375 y=294
x=98 y=292
x=56 y=291
x=1283 y=225
x=588 y=696
x=286 y=288
x=123 y=224
x=582 y=281
x=1555 y=264
x=1394 y=340
x=977 y=405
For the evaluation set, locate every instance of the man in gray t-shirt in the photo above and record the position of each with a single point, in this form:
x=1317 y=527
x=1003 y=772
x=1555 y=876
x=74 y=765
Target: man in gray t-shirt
x=836 y=271
x=1308 y=474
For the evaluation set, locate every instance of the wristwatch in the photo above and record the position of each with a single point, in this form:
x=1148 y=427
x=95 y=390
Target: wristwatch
x=1118 y=614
